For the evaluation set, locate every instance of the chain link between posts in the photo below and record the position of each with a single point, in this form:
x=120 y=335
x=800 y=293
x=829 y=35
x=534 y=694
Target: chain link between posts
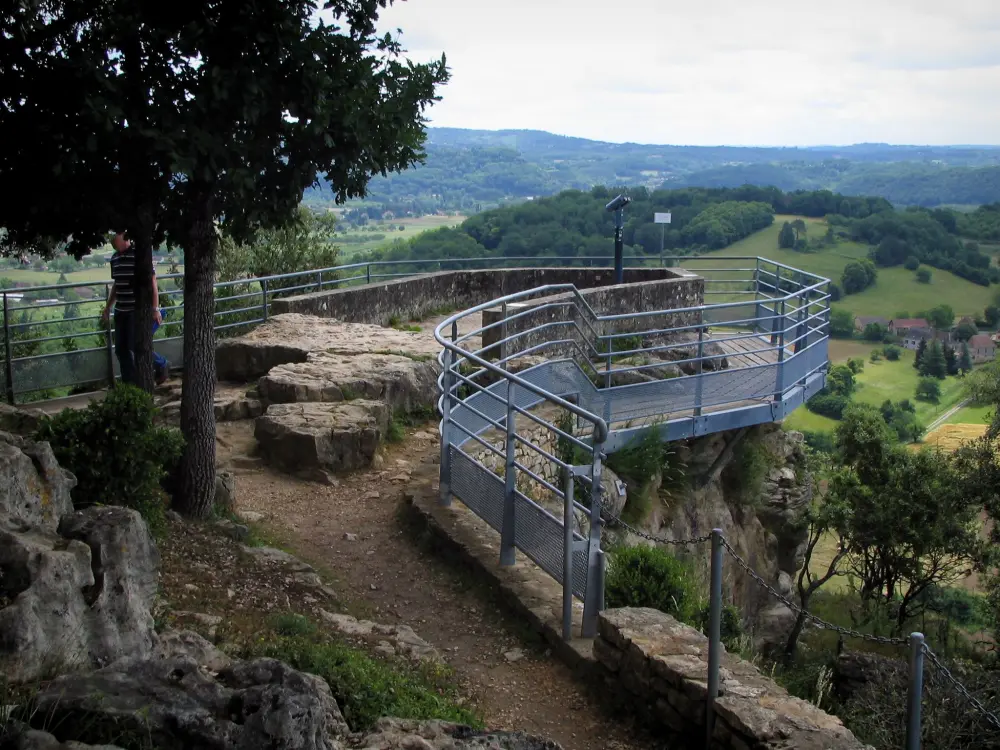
x=809 y=617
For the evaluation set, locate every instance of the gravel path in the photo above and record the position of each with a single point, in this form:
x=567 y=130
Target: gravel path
x=356 y=534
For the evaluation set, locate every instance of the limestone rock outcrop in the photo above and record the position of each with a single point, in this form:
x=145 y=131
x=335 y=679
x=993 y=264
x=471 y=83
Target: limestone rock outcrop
x=76 y=588
x=311 y=439
x=291 y=337
x=404 y=383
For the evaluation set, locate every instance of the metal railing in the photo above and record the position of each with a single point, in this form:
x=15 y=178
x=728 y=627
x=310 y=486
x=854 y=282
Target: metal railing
x=62 y=343
x=566 y=376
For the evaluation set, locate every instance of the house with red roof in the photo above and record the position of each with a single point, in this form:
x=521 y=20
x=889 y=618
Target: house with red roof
x=982 y=348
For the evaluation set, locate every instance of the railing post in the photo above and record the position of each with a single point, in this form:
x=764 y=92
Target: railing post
x=568 y=518
x=503 y=336
x=319 y=281
x=594 y=598
x=8 y=353
x=507 y=555
x=916 y=691
x=714 y=635
x=263 y=296
x=447 y=384
x=699 y=386
x=368 y=274
x=800 y=329
x=780 y=381
x=109 y=335
x=777 y=284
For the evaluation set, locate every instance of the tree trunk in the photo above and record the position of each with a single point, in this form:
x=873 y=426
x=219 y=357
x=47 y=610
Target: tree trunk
x=197 y=491
x=142 y=245
x=793 y=637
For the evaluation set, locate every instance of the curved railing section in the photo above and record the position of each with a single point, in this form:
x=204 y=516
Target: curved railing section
x=537 y=388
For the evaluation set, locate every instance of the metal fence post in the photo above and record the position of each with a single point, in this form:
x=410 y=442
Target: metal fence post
x=507 y=556
x=444 y=482
x=916 y=691
x=699 y=386
x=8 y=353
x=714 y=635
x=109 y=335
x=319 y=281
x=263 y=291
x=568 y=518
x=368 y=274
x=594 y=598
x=503 y=336
x=780 y=380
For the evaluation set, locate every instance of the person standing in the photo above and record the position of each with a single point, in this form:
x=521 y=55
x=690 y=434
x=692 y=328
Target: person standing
x=122 y=296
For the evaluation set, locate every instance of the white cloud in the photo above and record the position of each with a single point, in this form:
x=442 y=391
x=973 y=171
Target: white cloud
x=782 y=72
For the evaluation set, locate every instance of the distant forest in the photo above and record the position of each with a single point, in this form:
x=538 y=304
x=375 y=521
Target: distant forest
x=575 y=223
x=474 y=170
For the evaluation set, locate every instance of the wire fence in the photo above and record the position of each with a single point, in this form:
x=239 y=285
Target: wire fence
x=919 y=649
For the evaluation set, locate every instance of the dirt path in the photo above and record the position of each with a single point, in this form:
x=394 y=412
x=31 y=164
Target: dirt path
x=354 y=531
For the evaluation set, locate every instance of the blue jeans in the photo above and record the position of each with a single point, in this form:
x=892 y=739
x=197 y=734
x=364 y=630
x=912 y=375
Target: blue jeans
x=159 y=361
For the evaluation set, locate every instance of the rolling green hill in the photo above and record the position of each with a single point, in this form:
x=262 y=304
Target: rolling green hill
x=896 y=289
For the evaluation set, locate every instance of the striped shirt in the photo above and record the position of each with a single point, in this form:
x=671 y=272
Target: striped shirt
x=123 y=274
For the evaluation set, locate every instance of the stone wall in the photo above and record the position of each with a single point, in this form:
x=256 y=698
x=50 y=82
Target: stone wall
x=649 y=663
x=415 y=297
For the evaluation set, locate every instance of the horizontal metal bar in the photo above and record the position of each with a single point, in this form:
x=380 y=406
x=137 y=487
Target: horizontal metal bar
x=541 y=451
x=478 y=439
x=552 y=488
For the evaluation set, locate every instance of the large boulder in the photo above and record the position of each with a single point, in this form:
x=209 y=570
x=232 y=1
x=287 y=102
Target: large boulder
x=19 y=420
x=311 y=439
x=75 y=588
x=178 y=704
x=404 y=383
x=292 y=337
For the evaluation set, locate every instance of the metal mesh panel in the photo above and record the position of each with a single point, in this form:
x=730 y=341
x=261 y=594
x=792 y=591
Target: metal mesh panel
x=478 y=487
x=57 y=370
x=540 y=536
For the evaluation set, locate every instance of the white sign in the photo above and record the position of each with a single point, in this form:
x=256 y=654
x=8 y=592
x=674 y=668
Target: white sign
x=661 y=218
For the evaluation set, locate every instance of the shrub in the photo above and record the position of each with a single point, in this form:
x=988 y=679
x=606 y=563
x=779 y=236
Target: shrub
x=731 y=630
x=118 y=455
x=821 y=442
x=928 y=389
x=856 y=365
x=891 y=353
x=912 y=263
x=830 y=405
x=874 y=332
x=650 y=577
x=875 y=356
x=924 y=276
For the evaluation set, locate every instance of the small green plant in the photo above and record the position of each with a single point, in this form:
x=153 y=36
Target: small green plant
x=291 y=624
x=650 y=577
x=396 y=431
x=118 y=455
x=730 y=628
x=366 y=688
x=751 y=465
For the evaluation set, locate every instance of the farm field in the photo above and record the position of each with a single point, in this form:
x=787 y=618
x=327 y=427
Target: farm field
x=895 y=291
x=948 y=437
x=971 y=415
x=413 y=227
x=42 y=278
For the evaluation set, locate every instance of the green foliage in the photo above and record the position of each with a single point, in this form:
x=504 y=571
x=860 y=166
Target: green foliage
x=901 y=416
x=650 y=577
x=892 y=352
x=653 y=468
x=840 y=380
x=934 y=364
x=928 y=389
x=119 y=457
x=731 y=628
x=874 y=332
x=292 y=624
x=924 y=276
x=367 y=689
x=745 y=475
x=827 y=404
x=858 y=276
x=909 y=519
x=856 y=365
x=941 y=317
x=841 y=323
x=786 y=237
x=966 y=330
x=912 y=263
x=992 y=315
x=965 y=359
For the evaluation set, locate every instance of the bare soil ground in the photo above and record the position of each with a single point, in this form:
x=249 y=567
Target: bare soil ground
x=358 y=537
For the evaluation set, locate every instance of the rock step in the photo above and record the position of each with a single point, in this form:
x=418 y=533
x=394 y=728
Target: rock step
x=311 y=439
x=404 y=383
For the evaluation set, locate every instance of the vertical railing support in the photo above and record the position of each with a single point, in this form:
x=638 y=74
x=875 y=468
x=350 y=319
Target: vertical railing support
x=915 y=693
x=568 y=519
x=777 y=285
x=699 y=385
x=109 y=334
x=263 y=297
x=8 y=350
x=780 y=380
x=368 y=274
x=444 y=481
x=319 y=281
x=503 y=336
x=714 y=635
x=594 y=598
x=507 y=554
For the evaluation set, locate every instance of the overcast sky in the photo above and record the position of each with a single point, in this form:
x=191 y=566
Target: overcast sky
x=751 y=72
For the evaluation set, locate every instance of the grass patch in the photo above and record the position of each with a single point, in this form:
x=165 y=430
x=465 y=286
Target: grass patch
x=653 y=468
x=972 y=415
x=366 y=688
